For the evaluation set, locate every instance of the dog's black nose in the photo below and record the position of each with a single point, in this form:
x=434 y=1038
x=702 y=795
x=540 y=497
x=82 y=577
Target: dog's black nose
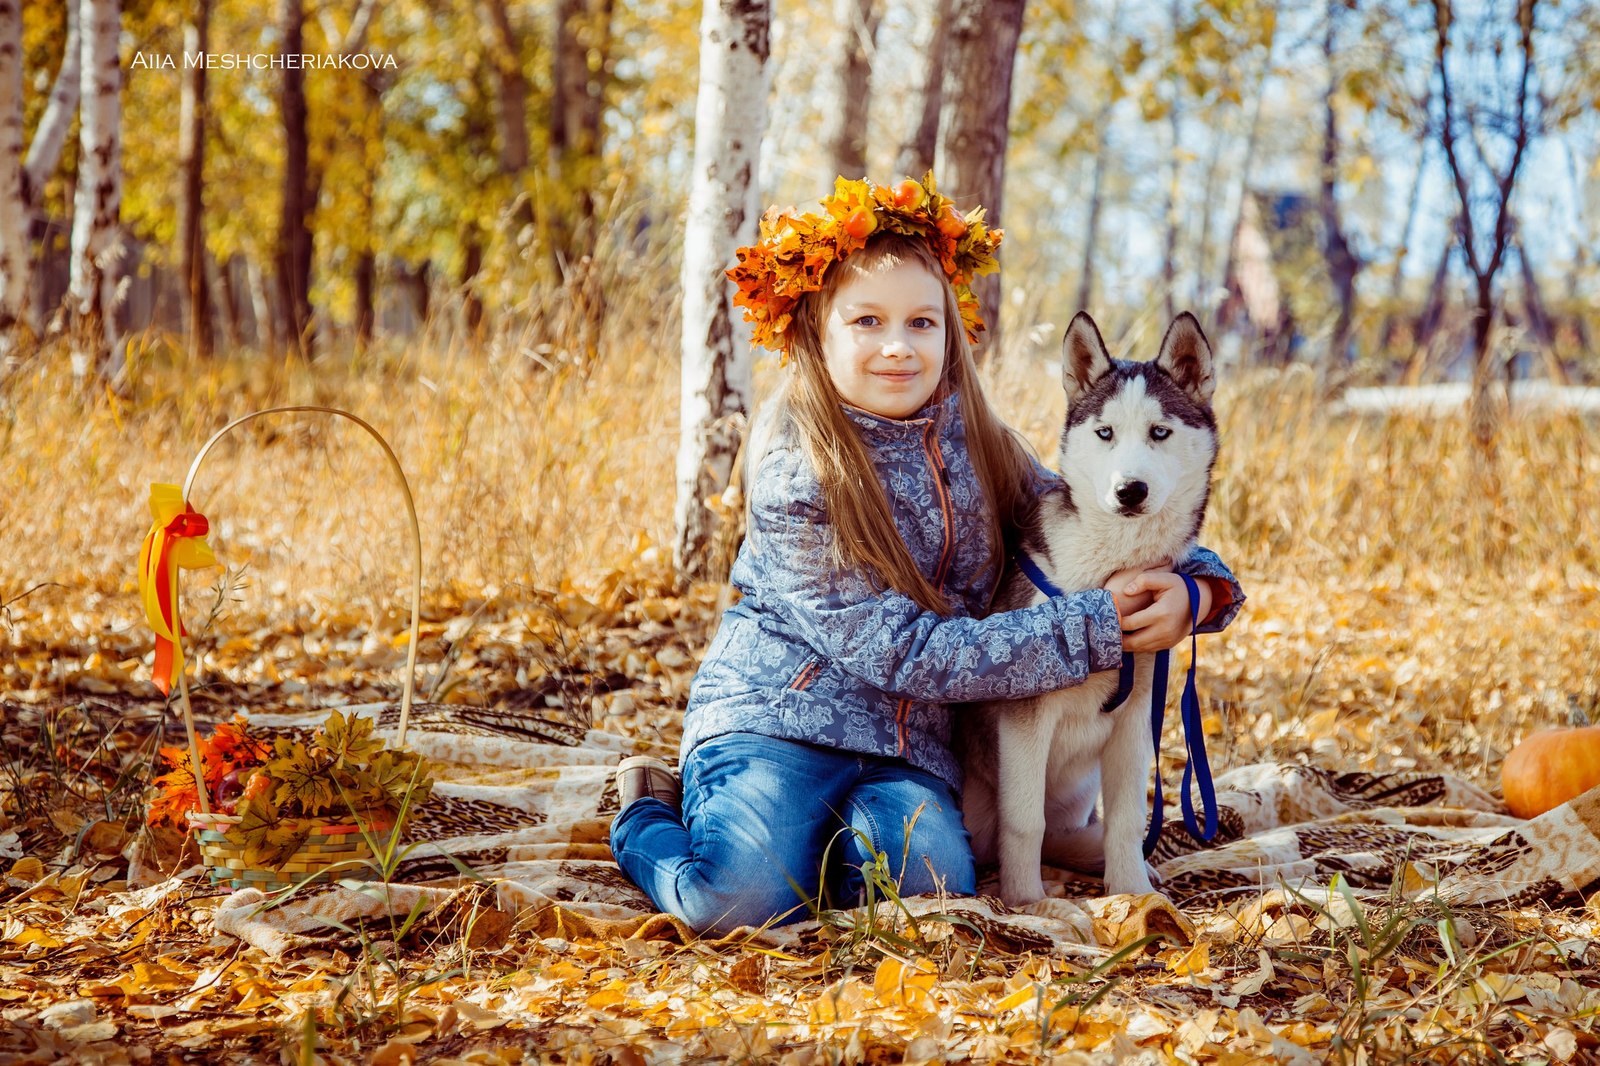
x=1132 y=493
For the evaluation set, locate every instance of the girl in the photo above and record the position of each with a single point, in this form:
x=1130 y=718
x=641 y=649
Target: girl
x=818 y=725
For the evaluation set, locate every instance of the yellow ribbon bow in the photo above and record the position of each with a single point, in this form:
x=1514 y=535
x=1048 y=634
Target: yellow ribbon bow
x=177 y=539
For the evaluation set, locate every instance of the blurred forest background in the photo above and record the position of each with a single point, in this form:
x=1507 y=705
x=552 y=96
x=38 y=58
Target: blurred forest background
x=1340 y=184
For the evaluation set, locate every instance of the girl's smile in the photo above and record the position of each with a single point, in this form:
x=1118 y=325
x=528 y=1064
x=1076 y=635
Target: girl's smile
x=884 y=339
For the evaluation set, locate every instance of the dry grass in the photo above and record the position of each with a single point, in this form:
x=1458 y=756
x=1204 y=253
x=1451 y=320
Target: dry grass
x=1396 y=586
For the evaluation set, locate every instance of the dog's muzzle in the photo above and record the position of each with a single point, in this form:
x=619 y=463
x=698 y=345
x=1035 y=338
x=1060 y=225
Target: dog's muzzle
x=1131 y=496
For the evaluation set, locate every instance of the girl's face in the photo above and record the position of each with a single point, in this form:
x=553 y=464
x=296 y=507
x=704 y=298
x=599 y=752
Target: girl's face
x=884 y=338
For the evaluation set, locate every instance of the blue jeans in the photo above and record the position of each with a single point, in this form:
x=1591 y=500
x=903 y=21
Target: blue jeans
x=759 y=813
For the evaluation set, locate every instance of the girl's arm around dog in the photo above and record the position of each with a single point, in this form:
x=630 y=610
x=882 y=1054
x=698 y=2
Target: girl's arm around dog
x=1200 y=562
x=887 y=640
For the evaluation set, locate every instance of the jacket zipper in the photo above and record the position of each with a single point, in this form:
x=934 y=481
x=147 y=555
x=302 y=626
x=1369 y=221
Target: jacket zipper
x=942 y=484
x=807 y=673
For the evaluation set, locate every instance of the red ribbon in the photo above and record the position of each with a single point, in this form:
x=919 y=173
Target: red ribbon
x=188 y=523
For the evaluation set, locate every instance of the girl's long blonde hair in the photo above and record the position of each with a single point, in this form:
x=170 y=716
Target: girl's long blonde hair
x=857 y=506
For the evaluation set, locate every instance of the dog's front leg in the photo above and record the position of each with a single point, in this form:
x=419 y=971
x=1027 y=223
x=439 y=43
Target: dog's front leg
x=1023 y=743
x=1124 y=770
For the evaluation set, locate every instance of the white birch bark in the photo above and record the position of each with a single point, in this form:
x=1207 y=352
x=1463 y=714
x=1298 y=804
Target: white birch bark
x=730 y=119
x=44 y=151
x=97 y=208
x=13 y=206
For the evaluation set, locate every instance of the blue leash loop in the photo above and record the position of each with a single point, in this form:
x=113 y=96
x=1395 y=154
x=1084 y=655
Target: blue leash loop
x=1198 y=768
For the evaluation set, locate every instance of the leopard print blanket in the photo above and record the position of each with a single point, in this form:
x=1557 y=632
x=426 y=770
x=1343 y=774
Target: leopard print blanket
x=526 y=802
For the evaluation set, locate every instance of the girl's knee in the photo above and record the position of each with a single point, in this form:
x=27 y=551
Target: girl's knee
x=939 y=866
x=723 y=904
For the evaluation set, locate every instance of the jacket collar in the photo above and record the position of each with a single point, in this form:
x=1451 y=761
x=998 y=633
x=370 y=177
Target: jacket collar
x=879 y=429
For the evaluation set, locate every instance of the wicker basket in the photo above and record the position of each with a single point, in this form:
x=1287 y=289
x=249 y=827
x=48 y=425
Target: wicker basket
x=337 y=847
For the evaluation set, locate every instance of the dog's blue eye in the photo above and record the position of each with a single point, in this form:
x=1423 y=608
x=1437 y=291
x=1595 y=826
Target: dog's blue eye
x=1160 y=432
x=1104 y=433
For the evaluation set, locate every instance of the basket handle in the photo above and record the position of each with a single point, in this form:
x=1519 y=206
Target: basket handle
x=416 y=560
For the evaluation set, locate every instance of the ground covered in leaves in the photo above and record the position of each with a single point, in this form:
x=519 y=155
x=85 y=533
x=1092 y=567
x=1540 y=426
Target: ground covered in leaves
x=92 y=971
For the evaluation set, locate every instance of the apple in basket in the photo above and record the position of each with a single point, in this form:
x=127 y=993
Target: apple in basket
x=270 y=794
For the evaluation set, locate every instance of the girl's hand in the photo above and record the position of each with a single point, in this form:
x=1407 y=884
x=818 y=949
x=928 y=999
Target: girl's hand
x=1167 y=619
x=1117 y=584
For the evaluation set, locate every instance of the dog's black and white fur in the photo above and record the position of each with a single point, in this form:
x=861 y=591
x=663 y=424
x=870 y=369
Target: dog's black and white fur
x=1136 y=453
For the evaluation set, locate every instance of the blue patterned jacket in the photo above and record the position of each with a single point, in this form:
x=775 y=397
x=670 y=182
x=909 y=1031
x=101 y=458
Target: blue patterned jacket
x=812 y=654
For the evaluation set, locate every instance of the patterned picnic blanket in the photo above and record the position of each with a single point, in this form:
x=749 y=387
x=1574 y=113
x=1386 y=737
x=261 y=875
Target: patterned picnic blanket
x=526 y=803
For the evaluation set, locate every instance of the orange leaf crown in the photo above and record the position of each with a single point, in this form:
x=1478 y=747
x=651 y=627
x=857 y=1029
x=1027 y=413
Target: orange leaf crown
x=796 y=249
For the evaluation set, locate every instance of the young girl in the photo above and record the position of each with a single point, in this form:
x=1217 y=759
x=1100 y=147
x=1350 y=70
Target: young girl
x=818 y=724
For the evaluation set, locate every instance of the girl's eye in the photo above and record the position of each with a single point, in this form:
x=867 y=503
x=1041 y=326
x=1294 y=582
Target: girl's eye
x=1159 y=432
x=867 y=320
x=1104 y=433
x=923 y=322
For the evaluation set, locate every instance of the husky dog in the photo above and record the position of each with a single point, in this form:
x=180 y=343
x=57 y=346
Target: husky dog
x=1136 y=454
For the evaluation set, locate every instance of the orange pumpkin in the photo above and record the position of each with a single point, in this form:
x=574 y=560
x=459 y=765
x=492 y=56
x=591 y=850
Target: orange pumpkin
x=1549 y=768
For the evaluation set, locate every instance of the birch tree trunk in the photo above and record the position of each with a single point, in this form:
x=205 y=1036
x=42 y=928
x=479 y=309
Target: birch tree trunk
x=983 y=51
x=97 y=203
x=294 y=221
x=730 y=118
x=847 y=141
x=191 y=165
x=44 y=152
x=918 y=152
x=13 y=201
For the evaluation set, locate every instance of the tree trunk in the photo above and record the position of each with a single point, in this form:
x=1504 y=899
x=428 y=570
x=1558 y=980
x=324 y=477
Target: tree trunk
x=366 y=272
x=294 y=222
x=1539 y=323
x=1484 y=263
x=263 y=307
x=511 y=88
x=1251 y=141
x=917 y=154
x=1342 y=263
x=1202 y=263
x=847 y=140
x=1102 y=123
x=191 y=168
x=471 y=263
x=228 y=298
x=14 y=260
x=1091 y=235
x=730 y=119
x=416 y=284
x=1169 y=245
x=97 y=207
x=1432 y=316
x=577 y=108
x=51 y=135
x=983 y=52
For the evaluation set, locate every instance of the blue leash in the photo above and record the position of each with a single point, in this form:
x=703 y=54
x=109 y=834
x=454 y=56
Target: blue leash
x=1198 y=768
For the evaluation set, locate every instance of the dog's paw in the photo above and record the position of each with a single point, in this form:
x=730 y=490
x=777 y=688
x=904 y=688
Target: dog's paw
x=1020 y=895
x=1133 y=885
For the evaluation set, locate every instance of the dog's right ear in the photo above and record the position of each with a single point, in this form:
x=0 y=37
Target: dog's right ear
x=1084 y=358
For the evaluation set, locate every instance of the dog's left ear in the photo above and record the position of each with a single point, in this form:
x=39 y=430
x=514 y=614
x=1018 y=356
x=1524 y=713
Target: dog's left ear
x=1186 y=356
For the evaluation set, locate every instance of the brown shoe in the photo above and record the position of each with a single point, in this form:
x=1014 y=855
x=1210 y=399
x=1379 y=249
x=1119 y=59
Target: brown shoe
x=641 y=776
